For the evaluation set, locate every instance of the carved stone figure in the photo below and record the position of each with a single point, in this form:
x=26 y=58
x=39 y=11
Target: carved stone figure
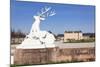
x=37 y=38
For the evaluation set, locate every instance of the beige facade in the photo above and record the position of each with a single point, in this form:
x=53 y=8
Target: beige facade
x=76 y=35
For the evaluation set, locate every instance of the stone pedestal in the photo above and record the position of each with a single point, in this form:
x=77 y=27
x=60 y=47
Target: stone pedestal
x=35 y=56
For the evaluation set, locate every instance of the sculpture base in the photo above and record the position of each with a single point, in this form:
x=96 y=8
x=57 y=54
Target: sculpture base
x=35 y=46
x=35 y=56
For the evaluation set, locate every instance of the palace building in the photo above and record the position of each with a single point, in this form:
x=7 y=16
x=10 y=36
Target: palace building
x=75 y=35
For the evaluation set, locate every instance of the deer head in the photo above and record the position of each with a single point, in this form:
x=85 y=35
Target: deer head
x=38 y=18
x=46 y=12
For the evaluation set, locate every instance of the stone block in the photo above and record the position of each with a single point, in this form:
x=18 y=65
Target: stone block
x=35 y=56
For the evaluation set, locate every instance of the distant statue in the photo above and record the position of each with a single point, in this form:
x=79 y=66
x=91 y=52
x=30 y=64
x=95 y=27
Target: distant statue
x=37 y=37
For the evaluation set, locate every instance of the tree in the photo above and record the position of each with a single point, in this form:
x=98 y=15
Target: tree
x=17 y=34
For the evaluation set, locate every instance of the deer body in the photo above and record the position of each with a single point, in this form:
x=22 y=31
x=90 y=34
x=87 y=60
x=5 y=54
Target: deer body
x=35 y=25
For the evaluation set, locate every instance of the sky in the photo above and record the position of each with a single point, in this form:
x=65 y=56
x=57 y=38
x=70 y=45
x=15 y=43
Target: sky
x=69 y=17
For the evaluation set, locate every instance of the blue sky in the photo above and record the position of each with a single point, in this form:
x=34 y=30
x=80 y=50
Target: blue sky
x=69 y=17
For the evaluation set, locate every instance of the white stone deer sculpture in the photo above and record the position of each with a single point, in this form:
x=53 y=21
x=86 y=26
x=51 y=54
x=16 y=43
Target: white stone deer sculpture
x=42 y=15
x=37 y=38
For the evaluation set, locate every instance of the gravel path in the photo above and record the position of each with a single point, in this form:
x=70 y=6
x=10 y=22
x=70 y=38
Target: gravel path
x=75 y=45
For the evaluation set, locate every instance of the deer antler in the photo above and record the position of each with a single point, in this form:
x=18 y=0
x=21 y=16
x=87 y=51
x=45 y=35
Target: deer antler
x=46 y=11
x=52 y=13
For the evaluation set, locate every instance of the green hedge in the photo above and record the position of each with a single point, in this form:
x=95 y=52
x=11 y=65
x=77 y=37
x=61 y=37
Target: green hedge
x=79 y=41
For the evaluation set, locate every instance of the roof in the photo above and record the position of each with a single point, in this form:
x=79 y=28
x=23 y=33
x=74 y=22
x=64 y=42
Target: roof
x=73 y=32
x=89 y=34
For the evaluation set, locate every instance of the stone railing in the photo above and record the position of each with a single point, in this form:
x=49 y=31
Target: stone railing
x=48 y=55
